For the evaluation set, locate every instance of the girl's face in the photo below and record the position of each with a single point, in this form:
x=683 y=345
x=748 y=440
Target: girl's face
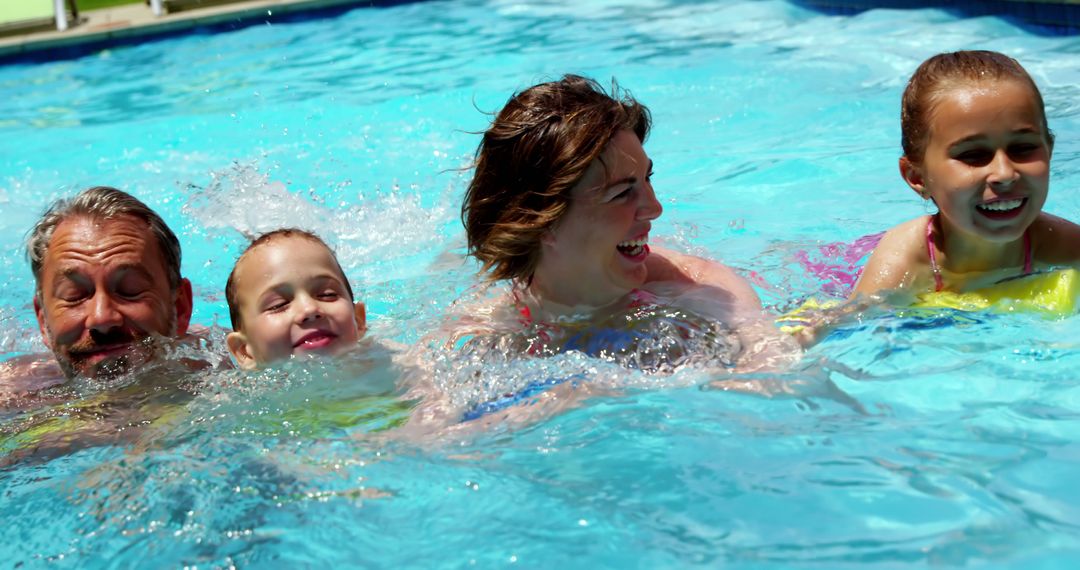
x=987 y=161
x=596 y=253
x=293 y=301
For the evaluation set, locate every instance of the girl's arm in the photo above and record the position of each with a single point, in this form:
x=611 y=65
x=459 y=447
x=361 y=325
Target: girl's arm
x=896 y=260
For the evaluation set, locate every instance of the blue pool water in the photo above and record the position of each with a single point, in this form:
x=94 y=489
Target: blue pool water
x=776 y=131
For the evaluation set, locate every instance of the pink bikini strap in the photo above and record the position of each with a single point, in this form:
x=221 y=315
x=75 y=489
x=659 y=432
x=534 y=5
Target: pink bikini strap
x=1029 y=263
x=639 y=298
x=938 y=283
x=523 y=309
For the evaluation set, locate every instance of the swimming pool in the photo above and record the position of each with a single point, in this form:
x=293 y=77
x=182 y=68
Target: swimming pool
x=776 y=130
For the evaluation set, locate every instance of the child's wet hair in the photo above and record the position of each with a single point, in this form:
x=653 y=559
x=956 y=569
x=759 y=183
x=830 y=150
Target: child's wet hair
x=947 y=71
x=232 y=296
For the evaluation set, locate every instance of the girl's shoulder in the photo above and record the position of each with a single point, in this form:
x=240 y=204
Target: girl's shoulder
x=1055 y=241
x=904 y=244
x=900 y=255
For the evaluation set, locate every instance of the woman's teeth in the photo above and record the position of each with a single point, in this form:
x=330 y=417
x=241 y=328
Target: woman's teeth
x=633 y=247
x=1001 y=205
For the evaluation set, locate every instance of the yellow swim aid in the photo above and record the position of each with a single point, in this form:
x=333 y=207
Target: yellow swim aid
x=796 y=320
x=323 y=418
x=66 y=424
x=1052 y=294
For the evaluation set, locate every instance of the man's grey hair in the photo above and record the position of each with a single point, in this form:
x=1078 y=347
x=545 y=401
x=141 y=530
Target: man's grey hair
x=101 y=203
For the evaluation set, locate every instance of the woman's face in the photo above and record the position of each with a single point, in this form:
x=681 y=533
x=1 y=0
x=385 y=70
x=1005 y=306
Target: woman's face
x=596 y=253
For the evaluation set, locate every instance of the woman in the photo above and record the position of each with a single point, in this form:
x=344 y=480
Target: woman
x=561 y=206
x=560 y=209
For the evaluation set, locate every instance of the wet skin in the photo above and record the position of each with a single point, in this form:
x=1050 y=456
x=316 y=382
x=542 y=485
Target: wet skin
x=596 y=253
x=104 y=292
x=292 y=301
x=987 y=167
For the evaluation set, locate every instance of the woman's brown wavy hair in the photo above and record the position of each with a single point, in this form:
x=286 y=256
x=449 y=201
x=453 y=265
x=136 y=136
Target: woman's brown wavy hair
x=536 y=150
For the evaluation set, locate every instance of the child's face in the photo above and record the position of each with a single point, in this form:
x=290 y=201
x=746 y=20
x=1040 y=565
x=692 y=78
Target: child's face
x=987 y=161
x=292 y=300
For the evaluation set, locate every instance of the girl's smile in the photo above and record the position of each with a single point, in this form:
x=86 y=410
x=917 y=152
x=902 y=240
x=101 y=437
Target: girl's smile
x=987 y=161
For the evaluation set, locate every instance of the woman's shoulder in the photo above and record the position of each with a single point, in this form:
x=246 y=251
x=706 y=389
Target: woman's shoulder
x=666 y=265
x=1055 y=240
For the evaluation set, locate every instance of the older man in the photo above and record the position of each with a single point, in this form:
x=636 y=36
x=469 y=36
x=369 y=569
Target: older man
x=107 y=270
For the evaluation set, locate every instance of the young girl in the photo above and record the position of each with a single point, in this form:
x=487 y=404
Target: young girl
x=288 y=296
x=976 y=143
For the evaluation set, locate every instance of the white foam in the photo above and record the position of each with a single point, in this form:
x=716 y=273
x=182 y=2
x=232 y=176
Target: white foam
x=382 y=226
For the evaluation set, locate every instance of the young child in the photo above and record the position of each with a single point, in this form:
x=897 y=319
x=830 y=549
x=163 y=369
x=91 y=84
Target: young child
x=976 y=143
x=288 y=296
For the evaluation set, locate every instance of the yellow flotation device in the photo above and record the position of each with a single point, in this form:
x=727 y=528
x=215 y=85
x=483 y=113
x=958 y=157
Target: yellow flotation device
x=68 y=422
x=322 y=418
x=1052 y=294
x=796 y=320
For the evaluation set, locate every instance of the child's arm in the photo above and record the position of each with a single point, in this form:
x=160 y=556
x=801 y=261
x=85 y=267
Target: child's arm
x=897 y=260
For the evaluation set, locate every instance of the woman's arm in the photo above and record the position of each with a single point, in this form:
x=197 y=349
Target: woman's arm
x=666 y=265
x=717 y=291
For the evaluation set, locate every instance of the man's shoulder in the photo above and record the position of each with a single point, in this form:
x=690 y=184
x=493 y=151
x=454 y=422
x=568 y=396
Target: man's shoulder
x=26 y=375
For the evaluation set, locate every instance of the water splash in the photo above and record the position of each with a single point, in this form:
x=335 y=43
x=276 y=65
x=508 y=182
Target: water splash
x=838 y=264
x=391 y=225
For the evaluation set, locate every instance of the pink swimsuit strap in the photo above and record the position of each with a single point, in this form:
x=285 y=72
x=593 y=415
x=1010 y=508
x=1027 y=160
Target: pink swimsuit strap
x=523 y=309
x=1029 y=264
x=639 y=298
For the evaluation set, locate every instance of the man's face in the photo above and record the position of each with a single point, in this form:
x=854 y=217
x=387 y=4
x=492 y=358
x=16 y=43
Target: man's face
x=104 y=292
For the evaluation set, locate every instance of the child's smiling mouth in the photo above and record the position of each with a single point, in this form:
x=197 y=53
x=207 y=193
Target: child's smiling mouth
x=1002 y=209
x=315 y=340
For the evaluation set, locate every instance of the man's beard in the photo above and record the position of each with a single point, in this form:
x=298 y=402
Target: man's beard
x=139 y=350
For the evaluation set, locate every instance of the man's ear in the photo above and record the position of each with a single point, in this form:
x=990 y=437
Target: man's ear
x=913 y=175
x=183 y=303
x=39 y=312
x=361 y=317
x=238 y=347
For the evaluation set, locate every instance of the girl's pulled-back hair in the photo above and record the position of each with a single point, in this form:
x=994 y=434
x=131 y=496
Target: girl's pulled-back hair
x=946 y=71
x=537 y=148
